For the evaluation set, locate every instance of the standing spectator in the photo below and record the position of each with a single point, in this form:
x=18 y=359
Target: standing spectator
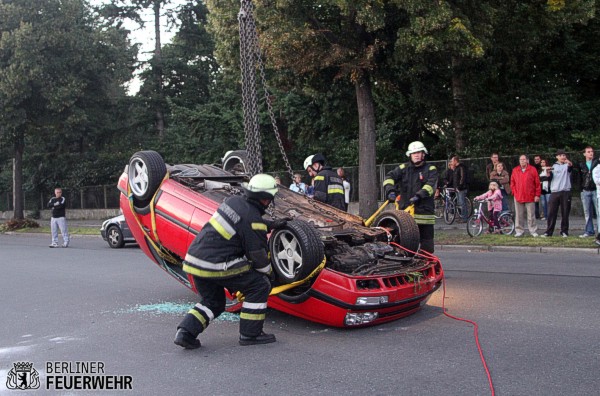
x=494 y=198
x=525 y=186
x=416 y=182
x=588 y=191
x=560 y=184
x=596 y=178
x=492 y=165
x=448 y=179
x=537 y=162
x=545 y=180
x=346 y=185
x=500 y=176
x=298 y=186
x=58 y=205
x=459 y=180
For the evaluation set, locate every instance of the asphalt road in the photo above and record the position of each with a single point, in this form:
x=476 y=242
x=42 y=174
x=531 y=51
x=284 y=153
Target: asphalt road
x=537 y=314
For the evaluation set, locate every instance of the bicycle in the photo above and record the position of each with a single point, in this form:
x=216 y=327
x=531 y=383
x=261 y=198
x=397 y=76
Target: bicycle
x=446 y=205
x=477 y=220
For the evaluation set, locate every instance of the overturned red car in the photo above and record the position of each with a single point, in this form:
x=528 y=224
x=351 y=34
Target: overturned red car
x=344 y=273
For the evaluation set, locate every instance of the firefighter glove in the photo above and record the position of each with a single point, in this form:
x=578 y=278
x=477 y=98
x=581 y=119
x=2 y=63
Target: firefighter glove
x=414 y=199
x=391 y=195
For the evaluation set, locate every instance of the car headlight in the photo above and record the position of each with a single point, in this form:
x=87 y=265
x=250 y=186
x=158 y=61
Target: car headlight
x=372 y=300
x=353 y=319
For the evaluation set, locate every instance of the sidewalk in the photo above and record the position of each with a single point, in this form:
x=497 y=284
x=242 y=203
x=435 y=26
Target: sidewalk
x=576 y=226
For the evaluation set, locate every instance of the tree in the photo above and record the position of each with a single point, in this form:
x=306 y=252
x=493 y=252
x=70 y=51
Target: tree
x=117 y=11
x=55 y=65
x=337 y=40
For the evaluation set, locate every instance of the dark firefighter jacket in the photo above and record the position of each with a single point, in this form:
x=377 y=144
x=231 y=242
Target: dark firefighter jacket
x=233 y=241
x=329 y=188
x=409 y=181
x=58 y=206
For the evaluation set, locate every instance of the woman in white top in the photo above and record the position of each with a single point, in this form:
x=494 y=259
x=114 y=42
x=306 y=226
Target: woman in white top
x=544 y=179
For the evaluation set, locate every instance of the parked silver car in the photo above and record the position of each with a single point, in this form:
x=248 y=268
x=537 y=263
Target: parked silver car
x=116 y=232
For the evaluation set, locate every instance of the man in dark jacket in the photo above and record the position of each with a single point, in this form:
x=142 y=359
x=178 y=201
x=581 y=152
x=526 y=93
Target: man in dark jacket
x=588 y=191
x=231 y=252
x=459 y=180
x=58 y=205
x=416 y=182
x=328 y=186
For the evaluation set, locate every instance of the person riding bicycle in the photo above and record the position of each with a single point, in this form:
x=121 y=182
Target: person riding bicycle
x=416 y=182
x=494 y=198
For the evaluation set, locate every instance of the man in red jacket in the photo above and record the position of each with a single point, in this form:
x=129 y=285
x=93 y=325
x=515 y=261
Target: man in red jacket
x=526 y=188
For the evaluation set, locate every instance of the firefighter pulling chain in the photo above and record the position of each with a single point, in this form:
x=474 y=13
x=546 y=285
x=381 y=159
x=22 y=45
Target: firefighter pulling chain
x=250 y=59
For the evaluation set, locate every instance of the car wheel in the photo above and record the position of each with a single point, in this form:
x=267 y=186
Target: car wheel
x=402 y=227
x=235 y=161
x=114 y=237
x=296 y=250
x=146 y=171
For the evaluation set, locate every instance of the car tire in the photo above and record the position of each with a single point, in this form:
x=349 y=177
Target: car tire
x=402 y=226
x=146 y=172
x=234 y=158
x=114 y=237
x=296 y=250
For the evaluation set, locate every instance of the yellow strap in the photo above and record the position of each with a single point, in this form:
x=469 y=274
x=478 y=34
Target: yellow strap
x=162 y=254
x=371 y=219
x=282 y=288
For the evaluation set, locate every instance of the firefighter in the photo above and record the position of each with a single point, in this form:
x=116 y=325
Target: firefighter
x=328 y=186
x=231 y=252
x=416 y=182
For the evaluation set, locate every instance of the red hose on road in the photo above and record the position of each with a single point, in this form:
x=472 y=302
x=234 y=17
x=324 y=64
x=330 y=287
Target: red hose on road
x=475 y=325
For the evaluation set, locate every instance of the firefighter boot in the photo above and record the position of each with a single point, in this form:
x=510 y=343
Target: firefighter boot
x=184 y=339
x=262 y=338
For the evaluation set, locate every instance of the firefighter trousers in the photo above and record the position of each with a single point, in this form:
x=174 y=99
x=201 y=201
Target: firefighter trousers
x=253 y=285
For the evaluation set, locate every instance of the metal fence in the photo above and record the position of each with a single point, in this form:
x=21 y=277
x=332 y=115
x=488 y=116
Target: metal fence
x=90 y=197
x=107 y=196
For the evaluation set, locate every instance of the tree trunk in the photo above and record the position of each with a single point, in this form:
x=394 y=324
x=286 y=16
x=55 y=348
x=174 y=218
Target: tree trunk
x=18 y=201
x=458 y=104
x=158 y=73
x=367 y=172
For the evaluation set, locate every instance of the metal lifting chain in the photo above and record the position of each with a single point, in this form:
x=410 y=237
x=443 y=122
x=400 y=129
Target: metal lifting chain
x=250 y=57
x=248 y=43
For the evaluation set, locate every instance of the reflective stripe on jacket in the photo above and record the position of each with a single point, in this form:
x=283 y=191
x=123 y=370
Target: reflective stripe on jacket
x=329 y=188
x=228 y=243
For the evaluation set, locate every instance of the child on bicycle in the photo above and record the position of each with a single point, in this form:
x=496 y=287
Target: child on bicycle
x=494 y=198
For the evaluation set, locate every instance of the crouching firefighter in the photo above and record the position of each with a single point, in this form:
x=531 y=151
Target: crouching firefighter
x=231 y=252
x=416 y=182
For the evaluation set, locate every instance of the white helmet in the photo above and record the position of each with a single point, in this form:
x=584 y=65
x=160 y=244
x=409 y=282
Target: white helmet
x=308 y=161
x=262 y=186
x=416 y=147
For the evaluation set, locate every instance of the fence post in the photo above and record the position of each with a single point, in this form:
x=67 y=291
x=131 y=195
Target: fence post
x=81 y=197
x=105 y=198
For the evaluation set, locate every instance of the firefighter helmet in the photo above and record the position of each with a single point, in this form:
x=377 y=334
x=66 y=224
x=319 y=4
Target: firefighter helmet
x=320 y=158
x=308 y=161
x=261 y=186
x=416 y=147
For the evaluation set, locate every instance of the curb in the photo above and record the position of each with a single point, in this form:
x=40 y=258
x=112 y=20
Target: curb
x=522 y=249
